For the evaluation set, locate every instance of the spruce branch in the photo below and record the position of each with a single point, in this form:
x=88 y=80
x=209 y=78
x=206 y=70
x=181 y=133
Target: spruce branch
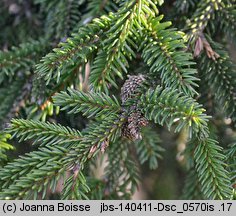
x=4 y=147
x=22 y=57
x=205 y=11
x=115 y=51
x=192 y=187
x=77 y=49
x=219 y=75
x=168 y=106
x=97 y=8
x=97 y=137
x=90 y=103
x=149 y=149
x=163 y=52
x=101 y=52
x=121 y=173
x=214 y=179
x=43 y=133
x=97 y=188
x=7 y=103
x=50 y=162
x=61 y=17
x=226 y=20
x=231 y=160
x=120 y=46
x=32 y=172
x=75 y=187
x=184 y=6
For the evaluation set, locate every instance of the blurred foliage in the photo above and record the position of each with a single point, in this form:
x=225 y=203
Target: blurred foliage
x=100 y=98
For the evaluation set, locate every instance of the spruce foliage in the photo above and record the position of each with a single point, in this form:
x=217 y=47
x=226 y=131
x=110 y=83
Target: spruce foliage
x=98 y=83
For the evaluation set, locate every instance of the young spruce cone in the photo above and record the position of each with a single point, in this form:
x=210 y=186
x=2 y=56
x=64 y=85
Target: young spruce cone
x=131 y=86
x=132 y=128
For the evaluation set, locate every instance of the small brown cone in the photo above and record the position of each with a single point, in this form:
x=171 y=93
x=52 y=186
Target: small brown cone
x=131 y=86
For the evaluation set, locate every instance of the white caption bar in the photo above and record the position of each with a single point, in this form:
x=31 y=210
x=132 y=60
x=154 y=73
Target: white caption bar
x=117 y=207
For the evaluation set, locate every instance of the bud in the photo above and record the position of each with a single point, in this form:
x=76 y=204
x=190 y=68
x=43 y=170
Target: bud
x=104 y=145
x=92 y=151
